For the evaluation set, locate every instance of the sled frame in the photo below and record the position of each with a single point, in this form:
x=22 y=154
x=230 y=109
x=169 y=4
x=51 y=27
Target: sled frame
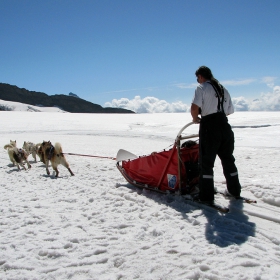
x=177 y=143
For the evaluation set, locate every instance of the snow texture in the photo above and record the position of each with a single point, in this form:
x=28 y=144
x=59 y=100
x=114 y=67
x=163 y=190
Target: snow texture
x=17 y=106
x=94 y=225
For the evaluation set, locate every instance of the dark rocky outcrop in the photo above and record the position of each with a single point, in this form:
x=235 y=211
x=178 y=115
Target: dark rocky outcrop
x=73 y=94
x=67 y=103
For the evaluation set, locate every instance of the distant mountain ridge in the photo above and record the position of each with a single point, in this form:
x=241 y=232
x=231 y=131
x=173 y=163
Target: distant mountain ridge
x=67 y=103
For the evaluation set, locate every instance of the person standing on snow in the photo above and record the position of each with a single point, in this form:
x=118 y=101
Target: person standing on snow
x=215 y=134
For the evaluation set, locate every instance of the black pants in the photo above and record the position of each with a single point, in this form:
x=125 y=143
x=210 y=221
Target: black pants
x=216 y=138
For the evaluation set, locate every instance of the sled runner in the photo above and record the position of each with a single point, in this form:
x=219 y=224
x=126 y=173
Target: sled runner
x=169 y=171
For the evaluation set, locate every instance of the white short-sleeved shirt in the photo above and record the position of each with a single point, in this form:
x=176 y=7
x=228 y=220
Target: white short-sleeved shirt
x=205 y=98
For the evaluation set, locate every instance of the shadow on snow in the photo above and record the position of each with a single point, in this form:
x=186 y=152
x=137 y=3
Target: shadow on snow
x=221 y=229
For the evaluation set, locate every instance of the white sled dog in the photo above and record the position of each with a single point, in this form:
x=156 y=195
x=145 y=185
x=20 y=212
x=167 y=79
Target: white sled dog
x=31 y=148
x=17 y=156
x=12 y=144
x=55 y=155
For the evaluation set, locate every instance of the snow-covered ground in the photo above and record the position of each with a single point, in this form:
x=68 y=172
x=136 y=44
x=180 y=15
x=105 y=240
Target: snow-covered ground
x=95 y=225
x=17 y=106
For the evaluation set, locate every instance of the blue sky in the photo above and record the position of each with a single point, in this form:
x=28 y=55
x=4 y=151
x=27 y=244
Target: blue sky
x=109 y=50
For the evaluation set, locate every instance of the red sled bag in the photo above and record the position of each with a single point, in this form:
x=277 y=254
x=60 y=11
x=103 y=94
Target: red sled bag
x=175 y=170
x=162 y=171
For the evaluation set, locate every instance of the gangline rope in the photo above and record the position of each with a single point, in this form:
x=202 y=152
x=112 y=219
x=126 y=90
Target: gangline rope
x=72 y=154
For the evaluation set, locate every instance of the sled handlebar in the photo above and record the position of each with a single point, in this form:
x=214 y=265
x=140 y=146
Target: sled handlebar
x=179 y=137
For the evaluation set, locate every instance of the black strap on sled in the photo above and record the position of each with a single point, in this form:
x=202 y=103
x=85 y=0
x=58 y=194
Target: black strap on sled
x=221 y=97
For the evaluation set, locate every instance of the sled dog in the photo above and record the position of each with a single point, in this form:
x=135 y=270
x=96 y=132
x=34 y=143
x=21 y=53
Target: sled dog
x=17 y=156
x=55 y=155
x=40 y=152
x=30 y=148
x=12 y=144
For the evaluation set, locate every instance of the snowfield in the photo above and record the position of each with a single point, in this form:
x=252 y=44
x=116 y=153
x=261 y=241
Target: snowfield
x=94 y=225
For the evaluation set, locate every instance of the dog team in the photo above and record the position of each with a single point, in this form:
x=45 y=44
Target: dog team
x=45 y=151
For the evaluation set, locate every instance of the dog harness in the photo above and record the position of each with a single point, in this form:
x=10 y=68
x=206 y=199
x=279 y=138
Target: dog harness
x=21 y=153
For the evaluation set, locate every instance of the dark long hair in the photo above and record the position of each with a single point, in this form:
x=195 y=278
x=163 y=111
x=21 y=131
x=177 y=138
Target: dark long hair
x=206 y=73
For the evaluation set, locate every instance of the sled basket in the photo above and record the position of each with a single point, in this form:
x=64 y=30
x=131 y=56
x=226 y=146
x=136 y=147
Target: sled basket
x=174 y=170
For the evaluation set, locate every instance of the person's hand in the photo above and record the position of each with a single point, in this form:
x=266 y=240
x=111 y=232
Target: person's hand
x=196 y=120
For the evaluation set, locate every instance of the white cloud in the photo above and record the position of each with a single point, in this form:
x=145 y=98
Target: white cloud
x=238 y=82
x=183 y=85
x=148 y=105
x=269 y=81
x=267 y=102
x=240 y=104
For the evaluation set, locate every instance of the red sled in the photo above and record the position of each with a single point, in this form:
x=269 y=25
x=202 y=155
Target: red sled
x=172 y=171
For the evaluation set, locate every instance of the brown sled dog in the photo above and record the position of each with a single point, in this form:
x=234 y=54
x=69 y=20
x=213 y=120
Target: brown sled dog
x=55 y=155
x=17 y=156
x=40 y=152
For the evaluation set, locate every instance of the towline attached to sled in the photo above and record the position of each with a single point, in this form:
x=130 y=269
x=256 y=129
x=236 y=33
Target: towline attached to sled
x=169 y=171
